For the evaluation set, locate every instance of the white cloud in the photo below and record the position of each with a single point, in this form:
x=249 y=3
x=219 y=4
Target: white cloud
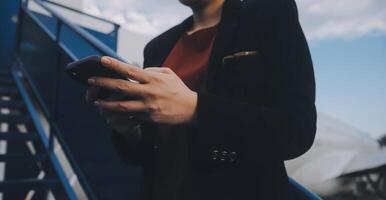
x=324 y=19
x=321 y=19
x=147 y=17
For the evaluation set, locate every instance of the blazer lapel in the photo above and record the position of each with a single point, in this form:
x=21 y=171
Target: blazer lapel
x=224 y=39
x=169 y=41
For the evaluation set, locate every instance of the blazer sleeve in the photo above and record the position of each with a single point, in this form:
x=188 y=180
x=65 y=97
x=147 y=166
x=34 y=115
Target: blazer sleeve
x=134 y=152
x=244 y=132
x=131 y=153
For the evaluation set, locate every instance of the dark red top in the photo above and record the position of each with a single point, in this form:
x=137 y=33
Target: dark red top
x=189 y=57
x=189 y=60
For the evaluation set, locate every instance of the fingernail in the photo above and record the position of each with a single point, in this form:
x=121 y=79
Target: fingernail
x=106 y=60
x=91 y=80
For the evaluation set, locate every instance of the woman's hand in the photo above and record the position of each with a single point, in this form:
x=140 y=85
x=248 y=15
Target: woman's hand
x=124 y=123
x=162 y=95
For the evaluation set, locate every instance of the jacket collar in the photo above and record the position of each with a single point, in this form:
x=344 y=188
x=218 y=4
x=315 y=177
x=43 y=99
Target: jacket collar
x=226 y=31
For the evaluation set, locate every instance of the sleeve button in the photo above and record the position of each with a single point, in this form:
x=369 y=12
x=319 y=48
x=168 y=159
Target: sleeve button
x=224 y=155
x=215 y=154
x=232 y=156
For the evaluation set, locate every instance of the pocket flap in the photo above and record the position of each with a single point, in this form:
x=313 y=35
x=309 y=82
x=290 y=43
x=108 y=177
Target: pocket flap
x=239 y=54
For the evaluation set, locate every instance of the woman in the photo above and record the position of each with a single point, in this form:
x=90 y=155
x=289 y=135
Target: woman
x=224 y=98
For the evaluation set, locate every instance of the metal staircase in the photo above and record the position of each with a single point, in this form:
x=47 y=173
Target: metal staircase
x=52 y=145
x=22 y=154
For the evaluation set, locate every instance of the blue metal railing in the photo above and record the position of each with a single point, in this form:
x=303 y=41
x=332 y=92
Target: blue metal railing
x=89 y=38
x=116 y=26
x=306 y=192
x=45 y=44
x=113 y=33
x=48 y=141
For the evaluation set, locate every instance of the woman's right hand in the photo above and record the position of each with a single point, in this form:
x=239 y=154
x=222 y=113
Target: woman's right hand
x=121 y=122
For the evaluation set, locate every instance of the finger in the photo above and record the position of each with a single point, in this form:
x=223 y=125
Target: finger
x=164 y=70
x=122 y=106
x=118 y=85
x=92 y=93
x=126 y=70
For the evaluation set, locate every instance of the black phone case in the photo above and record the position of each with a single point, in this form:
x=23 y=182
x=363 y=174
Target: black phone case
x=81 y=70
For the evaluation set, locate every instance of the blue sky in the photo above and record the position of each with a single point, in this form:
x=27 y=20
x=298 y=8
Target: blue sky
x=347 y=39
x=351 y=80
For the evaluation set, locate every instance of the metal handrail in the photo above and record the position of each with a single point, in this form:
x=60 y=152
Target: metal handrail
x=46 y=141
x=55 y=37
x=55 y=130
x=89 y=38
x=308 y=193
x=83 y=13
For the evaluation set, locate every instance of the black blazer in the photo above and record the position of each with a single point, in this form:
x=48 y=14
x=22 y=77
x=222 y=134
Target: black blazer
x=257 y=110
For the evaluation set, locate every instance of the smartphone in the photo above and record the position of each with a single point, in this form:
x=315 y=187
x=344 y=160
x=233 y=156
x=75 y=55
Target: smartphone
x=81 y=70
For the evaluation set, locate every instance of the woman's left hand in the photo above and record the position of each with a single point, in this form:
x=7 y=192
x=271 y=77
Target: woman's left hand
x=162 y=95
